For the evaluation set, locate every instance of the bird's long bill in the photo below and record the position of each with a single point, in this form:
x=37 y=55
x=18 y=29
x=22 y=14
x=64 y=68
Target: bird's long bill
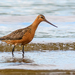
x=51 y=23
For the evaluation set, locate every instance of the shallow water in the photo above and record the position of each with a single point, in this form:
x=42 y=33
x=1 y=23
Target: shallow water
x=39 y=60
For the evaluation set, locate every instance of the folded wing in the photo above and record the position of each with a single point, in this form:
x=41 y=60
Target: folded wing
x=15 y=35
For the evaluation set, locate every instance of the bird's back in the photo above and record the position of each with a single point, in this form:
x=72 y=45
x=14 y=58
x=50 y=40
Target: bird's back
x=16 y=35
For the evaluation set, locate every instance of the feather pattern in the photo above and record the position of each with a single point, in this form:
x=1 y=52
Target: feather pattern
x=17 y=34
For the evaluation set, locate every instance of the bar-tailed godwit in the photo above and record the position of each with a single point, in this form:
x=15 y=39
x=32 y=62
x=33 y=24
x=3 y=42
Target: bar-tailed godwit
x=24 y=35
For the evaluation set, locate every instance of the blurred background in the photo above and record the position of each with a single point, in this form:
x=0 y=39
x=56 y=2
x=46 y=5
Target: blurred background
x=32 y=7
x=22 y=13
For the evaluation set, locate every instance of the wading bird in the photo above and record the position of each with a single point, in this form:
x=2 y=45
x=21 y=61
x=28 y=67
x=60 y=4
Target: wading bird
x=24 y=35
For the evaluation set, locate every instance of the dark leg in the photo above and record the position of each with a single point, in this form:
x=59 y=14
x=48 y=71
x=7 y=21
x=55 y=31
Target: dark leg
x=13 y=51
x=23 y=51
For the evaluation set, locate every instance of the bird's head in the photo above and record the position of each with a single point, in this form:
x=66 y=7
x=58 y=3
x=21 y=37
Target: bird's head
x=42 y=18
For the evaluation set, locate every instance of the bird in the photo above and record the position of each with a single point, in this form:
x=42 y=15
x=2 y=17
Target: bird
x=24 y=35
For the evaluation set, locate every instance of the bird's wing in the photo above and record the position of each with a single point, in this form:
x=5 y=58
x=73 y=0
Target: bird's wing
x=15 y=35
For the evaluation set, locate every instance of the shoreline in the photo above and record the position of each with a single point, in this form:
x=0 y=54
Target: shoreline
x=40 y=44
x=52 y=40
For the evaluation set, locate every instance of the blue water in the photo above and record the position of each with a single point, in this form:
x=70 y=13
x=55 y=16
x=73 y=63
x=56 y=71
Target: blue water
x=46 y=7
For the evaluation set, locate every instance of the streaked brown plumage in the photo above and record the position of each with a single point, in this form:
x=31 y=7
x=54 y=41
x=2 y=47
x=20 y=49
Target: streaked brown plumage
x=25 y=35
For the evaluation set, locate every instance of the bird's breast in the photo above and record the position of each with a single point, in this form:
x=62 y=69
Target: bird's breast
x=27 y=37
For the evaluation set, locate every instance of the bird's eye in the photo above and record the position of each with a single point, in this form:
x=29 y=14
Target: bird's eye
x=41 y=16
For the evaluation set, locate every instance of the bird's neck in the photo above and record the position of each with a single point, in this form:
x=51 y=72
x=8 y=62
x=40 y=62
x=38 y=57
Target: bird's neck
x=36 y=23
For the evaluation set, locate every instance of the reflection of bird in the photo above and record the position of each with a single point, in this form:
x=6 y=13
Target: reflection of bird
x=24 y=35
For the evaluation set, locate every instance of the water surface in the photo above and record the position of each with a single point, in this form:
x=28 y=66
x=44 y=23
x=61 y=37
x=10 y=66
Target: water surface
x=37 y=60
x=47 y=7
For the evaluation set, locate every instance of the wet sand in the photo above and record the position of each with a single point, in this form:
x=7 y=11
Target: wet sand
x=35 y=72
x=43 y=44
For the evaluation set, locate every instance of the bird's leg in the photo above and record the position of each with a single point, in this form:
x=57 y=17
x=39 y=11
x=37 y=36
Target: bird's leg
x=23 y=51
x=13 y=51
